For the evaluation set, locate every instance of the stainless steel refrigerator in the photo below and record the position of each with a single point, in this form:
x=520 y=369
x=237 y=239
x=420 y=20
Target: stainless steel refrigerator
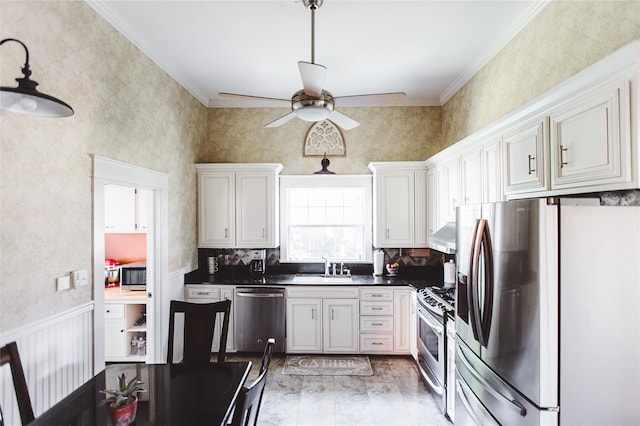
x=547 y=314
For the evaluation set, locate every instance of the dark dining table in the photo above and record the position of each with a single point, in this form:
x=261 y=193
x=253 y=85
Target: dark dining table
x=177 y=394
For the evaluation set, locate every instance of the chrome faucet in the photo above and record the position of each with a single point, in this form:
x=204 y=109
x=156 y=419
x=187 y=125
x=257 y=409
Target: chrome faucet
x=327 y=265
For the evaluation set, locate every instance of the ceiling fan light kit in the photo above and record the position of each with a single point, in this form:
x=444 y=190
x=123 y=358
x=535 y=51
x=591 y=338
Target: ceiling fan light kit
x=313 y=103
x=309 y=108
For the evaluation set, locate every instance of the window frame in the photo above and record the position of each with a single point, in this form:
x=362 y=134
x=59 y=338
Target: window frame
x=327 y=181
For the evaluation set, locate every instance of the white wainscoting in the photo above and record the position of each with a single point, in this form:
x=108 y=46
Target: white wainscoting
x=57 y=357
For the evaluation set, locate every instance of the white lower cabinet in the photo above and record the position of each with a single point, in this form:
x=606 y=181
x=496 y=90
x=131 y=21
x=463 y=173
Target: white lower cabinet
x=205 y=293
x=304 y=325
x=322 y=319
x=404 y=315
x=387 y=320
x=125 y=334
x=340 y=325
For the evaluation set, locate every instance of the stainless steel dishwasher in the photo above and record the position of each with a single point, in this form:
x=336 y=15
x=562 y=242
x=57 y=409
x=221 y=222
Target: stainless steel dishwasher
x=259 y=314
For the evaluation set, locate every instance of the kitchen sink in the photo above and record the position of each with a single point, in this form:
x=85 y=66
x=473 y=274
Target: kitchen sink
x=322 y=279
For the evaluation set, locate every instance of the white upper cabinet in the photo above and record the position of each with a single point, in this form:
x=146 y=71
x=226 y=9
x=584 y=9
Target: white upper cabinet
x=471 y=176
x=125 y=209
x=399 y=198
x=578 y=137
x=492 y=172
x=238 y=205
x=525 y=150
x=589 y=145
x=448 y=195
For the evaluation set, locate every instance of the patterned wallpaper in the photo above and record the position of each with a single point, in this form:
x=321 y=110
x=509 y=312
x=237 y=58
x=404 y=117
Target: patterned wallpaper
x=565 y=37
x=237 y=135
x=126 y=108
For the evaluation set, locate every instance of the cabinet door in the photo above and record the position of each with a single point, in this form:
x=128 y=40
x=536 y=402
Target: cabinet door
x=587 y=142
x=304 y=325
x=432 y=203
x=525 y=151
x=403 y=338
x=341 y=325
x=471 y=176
x=395 y=205
x=255 y=209
x=216 y=209
x=448 y=191
x=120 y=209
x=420 y=232
x=114 y=332
x=492 y=173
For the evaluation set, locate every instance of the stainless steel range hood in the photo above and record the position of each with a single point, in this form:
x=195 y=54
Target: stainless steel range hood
x=444 y=239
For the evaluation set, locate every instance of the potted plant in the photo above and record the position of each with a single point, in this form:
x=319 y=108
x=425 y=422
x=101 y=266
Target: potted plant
x=123 y=402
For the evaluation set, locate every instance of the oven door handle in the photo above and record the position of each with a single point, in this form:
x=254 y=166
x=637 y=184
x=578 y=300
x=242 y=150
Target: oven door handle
x=438 y=328
x=426 y=373
x=512 y=403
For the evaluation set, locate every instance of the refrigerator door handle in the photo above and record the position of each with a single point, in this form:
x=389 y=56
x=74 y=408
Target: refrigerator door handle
x=511 y=403
x=472 y=287
x=488 y=284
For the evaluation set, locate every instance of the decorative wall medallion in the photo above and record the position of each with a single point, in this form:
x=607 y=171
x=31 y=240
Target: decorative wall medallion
x=324 y=137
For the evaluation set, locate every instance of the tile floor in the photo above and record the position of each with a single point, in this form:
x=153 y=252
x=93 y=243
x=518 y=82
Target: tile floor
x=394 y=396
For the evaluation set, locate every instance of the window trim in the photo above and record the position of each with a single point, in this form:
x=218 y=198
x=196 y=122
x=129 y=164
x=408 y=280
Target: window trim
x=327 y=181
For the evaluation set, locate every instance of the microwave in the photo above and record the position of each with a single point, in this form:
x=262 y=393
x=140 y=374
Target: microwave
x=133 y=276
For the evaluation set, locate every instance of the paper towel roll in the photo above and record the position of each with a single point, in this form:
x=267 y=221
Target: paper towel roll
x=378 y=262
x=449 y=274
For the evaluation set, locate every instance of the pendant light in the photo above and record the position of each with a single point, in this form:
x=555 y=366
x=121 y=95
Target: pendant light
x=25 y=99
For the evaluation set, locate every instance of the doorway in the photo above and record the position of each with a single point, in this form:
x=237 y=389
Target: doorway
x=112 y=172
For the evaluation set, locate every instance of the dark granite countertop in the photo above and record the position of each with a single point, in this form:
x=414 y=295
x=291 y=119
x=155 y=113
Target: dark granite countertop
x=198 y=277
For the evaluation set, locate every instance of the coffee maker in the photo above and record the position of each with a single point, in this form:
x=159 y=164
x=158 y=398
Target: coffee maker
x=258 y=263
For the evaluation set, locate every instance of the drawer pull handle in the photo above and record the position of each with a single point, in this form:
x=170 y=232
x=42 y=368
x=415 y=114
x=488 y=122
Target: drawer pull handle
x=376 y=295
x=376 y=309
x=530 y=169
x=377 y=344
x=379 y=324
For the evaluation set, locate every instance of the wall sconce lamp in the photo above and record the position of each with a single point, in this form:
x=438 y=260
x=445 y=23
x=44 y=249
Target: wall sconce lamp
x=25 y=99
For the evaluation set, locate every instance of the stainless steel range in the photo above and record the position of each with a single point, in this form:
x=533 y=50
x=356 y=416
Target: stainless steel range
x=434 y=303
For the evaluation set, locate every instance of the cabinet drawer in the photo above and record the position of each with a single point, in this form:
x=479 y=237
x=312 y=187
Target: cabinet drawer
x=380 y=295
x=376 y=308
x=114 y=310
x=203 y=293
x=376 y=324
x=376 y=343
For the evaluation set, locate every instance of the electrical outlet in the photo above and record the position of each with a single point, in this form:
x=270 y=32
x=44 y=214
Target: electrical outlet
x=63 y=283
x=80 y=278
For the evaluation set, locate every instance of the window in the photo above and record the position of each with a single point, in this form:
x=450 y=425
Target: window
x=326 y=216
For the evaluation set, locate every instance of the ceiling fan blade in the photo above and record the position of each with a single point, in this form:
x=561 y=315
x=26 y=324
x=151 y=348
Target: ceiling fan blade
x=312 y=76
x=259 y=98
x=280 y=121
x=343 y=121
x=375 y=99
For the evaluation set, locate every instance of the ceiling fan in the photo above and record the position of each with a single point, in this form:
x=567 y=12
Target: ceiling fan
x=314 y=103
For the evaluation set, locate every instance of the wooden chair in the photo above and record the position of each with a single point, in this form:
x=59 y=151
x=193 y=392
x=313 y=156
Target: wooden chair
x=199 y=323
x=249 y=399
x=9 y=355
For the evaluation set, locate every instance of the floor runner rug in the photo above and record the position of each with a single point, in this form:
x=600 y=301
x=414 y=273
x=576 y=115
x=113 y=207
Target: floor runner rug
x=321 y=365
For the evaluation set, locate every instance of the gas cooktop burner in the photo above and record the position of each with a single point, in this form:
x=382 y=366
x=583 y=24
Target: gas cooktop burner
x=437 y=299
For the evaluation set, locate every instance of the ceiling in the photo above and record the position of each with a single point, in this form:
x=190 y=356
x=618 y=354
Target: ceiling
x=425 y=48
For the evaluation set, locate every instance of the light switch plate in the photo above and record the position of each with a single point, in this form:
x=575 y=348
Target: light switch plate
x=63 y=283
x=80 y=278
